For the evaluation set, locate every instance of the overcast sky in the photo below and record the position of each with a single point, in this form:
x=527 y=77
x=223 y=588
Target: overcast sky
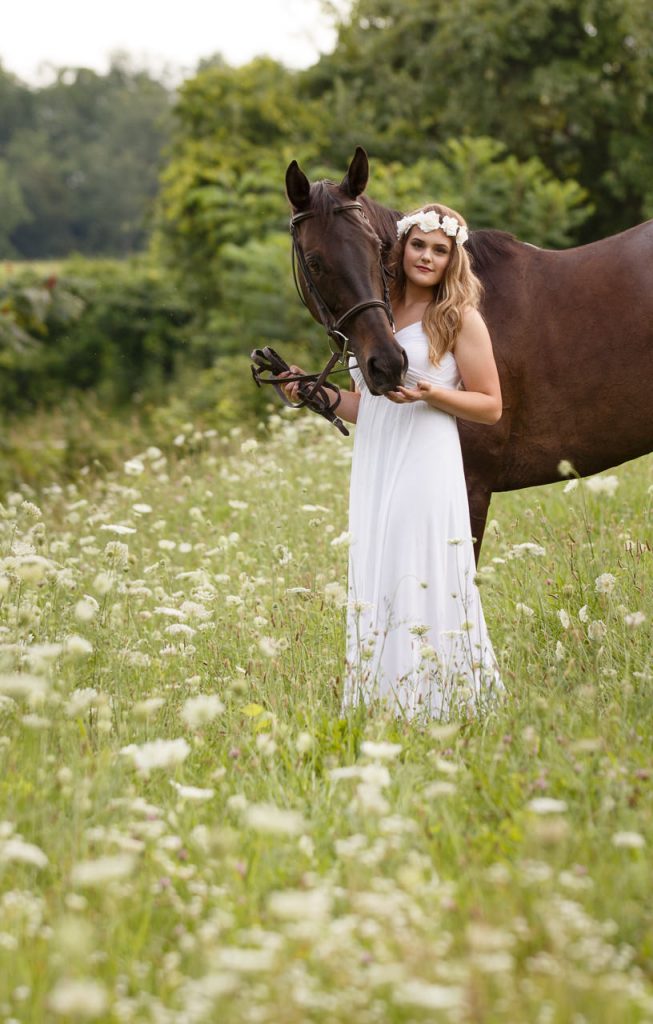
x=35 y=33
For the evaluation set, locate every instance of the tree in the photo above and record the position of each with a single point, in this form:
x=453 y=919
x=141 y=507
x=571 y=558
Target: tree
x=87 y=155
x=567 y=81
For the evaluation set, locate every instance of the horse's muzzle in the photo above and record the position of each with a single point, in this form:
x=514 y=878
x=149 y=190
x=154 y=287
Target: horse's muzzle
x=386 y=371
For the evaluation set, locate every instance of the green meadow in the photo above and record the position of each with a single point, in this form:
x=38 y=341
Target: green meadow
x=192 y=830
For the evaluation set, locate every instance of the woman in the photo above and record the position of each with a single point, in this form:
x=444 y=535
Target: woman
x=416 y=634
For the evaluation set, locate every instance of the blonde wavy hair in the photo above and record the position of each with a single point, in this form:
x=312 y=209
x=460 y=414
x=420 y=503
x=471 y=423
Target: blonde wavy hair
x=459 y=289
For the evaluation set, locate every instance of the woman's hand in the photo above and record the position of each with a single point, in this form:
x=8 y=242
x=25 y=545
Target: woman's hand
x=291 y=390
x=422 y=392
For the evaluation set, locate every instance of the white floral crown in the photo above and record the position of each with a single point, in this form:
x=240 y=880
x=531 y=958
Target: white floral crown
x=429 y=220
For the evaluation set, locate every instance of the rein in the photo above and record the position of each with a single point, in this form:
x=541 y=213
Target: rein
x=313 y=387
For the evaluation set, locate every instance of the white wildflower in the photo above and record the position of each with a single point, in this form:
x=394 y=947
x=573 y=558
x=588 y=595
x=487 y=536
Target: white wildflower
x=118 y=528
x=79 y=997
x=527 y=548
x=602 y=485
x=157 y=754
x=570 y=486
x=304 y=742
x=31 y=688
x=524 y=609
x=300 y=904
x=429 y=996
x=180 y=629
x=270 y=647
x=250 y=445
x=546 y=805
x=341 y=540
x=565 y=468
x=81 y=700
x=148 y=707
x=382 y=751
x=583 y=613
x=634 y=619
x=438 y=789
x=17 y=850
x=134 y=467
x=192 y=792
x=200 y=710
x=77 y=646
x=102 y=870
x=102 y=583
x=273 y=820
x=86 y=609
x=265 y=744
x=604 y=584
x=32 y=568
x=597 y=630
x=117 y=553
x=336 y=594
x=630 y=840
x=565 y=621
x=560 y=651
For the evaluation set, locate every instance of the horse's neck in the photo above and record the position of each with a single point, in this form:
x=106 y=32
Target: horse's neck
x=383 y=219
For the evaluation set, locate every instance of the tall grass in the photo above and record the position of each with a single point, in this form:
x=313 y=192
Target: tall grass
x=192 y=831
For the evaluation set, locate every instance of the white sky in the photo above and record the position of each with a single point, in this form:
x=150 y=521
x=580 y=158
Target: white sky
x=158 y=33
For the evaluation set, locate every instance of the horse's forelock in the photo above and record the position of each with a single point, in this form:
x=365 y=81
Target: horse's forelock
x=324 y=198
x=326 y=195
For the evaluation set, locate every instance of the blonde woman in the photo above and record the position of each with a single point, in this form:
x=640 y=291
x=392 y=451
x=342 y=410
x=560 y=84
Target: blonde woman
x=416 y=634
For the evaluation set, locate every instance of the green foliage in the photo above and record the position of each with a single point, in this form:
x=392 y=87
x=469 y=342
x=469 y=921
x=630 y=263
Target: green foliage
x=13 y=207
x=114 y=327
x=495 y=868
x=236 y=130
x=85 y=153
x=567 y=81
x=492 y=188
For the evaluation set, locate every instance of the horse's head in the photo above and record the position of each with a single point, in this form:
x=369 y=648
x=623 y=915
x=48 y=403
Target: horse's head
x=341 y=271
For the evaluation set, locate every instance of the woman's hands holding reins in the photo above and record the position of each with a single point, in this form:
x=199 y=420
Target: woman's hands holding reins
x=292 y=390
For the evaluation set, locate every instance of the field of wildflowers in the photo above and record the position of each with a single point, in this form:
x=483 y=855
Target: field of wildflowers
x=191 y=831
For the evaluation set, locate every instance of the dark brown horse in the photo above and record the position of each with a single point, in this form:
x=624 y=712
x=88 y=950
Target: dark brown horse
x=572 y=333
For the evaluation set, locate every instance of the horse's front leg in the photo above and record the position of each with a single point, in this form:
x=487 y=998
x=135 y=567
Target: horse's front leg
x=478 y=494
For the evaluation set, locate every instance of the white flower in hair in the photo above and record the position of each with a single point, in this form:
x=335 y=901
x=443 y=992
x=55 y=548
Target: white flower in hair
x=450 y=226
x=430 y=221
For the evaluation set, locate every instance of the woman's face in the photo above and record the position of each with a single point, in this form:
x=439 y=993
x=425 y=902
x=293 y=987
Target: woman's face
x=426 y=257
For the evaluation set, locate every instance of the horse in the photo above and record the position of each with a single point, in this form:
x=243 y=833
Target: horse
x=572 y=333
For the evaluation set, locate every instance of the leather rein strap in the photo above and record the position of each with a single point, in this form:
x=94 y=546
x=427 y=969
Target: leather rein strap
x=313 y=387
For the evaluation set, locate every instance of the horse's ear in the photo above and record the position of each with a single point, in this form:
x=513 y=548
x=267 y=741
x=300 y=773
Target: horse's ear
x=298 y=187
x=355 y=179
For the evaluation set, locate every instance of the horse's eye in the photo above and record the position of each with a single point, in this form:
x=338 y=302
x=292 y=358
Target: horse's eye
x=314 y=264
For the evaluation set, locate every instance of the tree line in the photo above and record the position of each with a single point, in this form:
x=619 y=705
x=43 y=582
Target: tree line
x=532 y=116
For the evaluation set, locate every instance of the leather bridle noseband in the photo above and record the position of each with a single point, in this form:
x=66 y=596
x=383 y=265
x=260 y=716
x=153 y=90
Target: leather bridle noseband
x=313 y=387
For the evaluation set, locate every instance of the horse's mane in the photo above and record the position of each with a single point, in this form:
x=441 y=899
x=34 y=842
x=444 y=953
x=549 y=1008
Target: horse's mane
x=485 y=247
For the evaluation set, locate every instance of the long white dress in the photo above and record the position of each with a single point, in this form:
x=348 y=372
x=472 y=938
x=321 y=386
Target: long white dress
x=416 y=635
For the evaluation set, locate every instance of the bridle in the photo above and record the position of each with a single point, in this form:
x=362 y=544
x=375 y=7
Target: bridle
x=333 y=325
x=315 y=396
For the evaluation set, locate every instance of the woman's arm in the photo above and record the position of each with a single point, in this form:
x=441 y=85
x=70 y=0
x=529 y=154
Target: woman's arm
x=349 y=400
x=481 y=399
